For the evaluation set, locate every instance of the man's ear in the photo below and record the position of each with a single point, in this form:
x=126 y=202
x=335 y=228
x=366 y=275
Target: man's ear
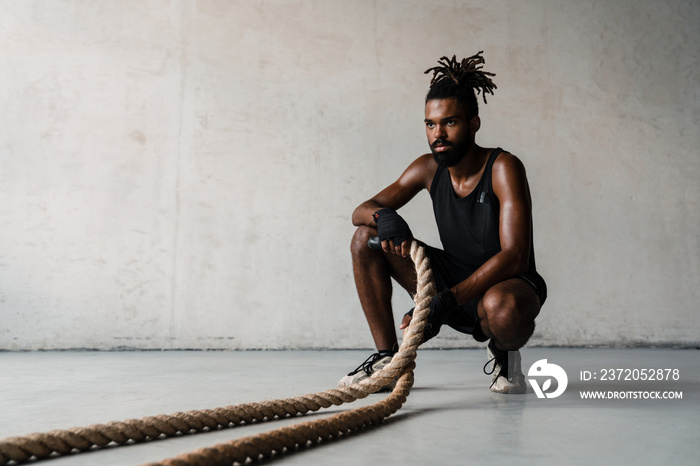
x=475 y=124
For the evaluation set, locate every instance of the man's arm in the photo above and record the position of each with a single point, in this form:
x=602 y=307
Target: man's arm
x=416 y=177
x=511 y=188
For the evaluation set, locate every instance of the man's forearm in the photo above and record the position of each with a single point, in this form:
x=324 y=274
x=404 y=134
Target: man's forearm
x=501 y=267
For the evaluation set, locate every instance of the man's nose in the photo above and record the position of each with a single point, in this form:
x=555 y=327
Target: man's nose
x=440 y=132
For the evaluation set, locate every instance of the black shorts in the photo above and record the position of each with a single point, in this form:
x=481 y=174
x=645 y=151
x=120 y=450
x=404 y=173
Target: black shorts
x=448 y=271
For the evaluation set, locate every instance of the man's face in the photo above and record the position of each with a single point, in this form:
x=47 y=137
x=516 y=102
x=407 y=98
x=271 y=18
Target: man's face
x=448 y=131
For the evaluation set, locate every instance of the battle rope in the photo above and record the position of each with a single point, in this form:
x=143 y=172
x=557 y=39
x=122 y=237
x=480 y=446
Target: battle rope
x=265 y=445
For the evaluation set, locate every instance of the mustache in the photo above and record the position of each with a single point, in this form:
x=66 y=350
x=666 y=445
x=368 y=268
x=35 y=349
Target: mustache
x=440 y=142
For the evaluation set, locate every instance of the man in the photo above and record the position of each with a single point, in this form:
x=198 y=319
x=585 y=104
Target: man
x=486 y=278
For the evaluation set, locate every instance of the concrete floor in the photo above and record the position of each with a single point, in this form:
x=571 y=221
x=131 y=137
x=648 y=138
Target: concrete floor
x=450 y=418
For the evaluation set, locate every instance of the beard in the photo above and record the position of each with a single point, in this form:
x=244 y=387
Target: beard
x=450 y=157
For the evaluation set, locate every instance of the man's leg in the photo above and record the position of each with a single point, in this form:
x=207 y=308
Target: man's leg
x=507 y=313
x=373 y=271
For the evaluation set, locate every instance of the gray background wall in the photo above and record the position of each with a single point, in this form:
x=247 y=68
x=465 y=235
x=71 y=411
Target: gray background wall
x=181 y=174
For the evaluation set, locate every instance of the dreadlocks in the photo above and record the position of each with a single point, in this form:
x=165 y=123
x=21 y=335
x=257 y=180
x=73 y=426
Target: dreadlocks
x=461 y=80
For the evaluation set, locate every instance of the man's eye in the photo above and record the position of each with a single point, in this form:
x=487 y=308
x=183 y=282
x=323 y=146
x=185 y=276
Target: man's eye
x=451 y=122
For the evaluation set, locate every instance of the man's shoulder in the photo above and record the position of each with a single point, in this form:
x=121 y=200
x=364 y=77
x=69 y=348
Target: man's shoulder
x=509 y=176
x=423 y=169
x=427 y=161
x=507 y=162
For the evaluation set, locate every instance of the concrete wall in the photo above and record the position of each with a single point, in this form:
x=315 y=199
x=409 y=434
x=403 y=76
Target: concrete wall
x=181 y=174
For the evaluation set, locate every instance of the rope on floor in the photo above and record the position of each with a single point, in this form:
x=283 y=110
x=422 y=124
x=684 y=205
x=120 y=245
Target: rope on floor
x=259 y=446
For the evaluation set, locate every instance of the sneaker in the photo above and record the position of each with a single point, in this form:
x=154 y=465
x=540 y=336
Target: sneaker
x=372 y=364
x=504 y=369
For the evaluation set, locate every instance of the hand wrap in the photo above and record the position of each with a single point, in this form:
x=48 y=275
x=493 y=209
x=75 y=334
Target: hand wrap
x=441 y=306
x=390 y=226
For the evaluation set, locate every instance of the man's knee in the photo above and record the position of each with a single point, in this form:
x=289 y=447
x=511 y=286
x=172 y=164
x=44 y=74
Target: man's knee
x=359 y=239
x=500 y=310
x=510 y=316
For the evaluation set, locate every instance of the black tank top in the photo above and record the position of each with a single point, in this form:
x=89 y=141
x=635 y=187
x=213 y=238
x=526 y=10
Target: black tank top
x=468 y=226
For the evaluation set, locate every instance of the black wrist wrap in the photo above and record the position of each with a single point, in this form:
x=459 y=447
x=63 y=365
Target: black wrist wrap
x=391 y=226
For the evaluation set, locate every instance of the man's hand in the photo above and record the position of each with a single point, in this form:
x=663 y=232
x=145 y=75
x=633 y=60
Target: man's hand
x=441 y=306
x=393 y=231
x=407 y=318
